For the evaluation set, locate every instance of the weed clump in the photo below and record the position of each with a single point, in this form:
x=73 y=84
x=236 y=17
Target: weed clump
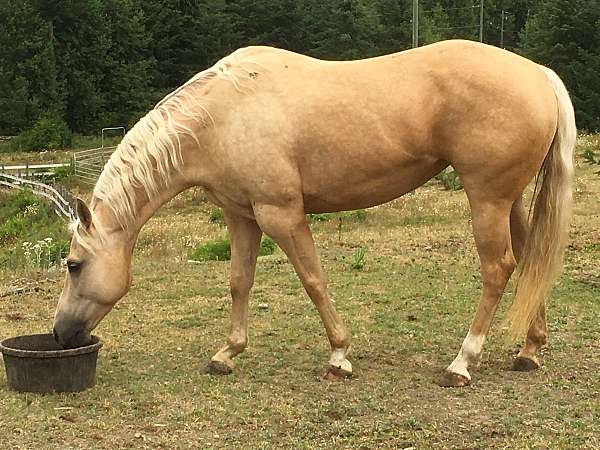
x=220 y=250
x=216 y=216
x=42 y=234
x=450 y=180
x=50 y=132
x=358 y=259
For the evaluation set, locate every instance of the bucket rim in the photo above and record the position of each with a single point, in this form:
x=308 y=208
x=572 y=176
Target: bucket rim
x=7 y=347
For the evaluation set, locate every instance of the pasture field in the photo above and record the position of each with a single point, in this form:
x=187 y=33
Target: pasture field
x=409 y=308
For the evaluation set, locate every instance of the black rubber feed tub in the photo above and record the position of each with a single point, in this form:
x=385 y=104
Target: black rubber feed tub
x=36 y=363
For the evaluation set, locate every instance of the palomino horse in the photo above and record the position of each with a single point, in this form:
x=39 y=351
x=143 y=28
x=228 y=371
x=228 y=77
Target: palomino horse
x=272 y=135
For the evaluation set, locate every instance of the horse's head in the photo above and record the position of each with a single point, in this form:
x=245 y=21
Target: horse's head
x=99 y=264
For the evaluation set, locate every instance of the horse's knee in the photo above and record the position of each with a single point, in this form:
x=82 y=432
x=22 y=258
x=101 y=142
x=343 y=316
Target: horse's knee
x=315 y=287
x=239 y=286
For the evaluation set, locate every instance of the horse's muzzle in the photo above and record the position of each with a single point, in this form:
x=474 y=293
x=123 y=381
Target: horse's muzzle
x=71 y=334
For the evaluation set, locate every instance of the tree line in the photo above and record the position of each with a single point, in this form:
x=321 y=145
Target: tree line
x=86 y=64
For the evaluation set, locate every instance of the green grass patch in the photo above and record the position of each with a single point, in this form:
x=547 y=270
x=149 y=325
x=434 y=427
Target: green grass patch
x=359 y=215
x=358 y=259
x=31 y=233
x=220 y=250
x=216 y=216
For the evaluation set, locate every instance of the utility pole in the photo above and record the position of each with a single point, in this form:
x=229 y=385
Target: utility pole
x=502 y=30
x=480 y=20
x=415 y=24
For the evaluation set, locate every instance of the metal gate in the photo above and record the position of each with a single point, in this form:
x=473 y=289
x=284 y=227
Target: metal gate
x=88 y=164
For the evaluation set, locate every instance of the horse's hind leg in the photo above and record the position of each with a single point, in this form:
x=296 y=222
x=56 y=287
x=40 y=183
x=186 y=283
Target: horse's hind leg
x=536 y=336
x=287 y=226
x=491 y=230
x=245 y=237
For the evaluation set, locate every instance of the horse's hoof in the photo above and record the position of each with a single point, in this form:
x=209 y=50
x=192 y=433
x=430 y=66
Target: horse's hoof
x=216 y=368
x=451 y=379
x=522 y=364
x=337 y=374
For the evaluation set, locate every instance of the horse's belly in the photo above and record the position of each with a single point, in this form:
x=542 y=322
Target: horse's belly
x=357 y=189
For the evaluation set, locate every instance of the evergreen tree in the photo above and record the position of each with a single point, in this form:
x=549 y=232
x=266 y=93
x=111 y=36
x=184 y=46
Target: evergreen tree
x=27 y=71
x=565 y=36
x=81 y=41
x=187 y=37
x=125 y=86
x=268 y=22
x=395 y=25
x=339 y=29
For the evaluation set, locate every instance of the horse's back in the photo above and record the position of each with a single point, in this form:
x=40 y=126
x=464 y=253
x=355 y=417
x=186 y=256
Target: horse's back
x=358 y=133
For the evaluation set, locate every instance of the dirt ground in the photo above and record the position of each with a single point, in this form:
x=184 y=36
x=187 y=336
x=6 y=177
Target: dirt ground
x=408 y=308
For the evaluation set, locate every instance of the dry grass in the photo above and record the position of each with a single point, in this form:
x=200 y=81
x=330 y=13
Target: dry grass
x=408 y=309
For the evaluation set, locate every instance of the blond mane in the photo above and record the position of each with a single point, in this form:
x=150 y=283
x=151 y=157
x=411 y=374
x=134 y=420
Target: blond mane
x=151 y=151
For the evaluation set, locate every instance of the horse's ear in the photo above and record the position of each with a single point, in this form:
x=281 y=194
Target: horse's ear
x=83 y=213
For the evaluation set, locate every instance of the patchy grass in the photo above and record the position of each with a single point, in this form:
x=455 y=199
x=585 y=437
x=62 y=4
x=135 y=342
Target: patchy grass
x=408 y=308
x=220 y=250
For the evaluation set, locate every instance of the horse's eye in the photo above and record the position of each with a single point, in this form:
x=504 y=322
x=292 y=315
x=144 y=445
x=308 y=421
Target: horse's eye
x=73 y=266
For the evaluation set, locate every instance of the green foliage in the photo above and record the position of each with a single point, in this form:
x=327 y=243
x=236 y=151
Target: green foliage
x=216 y=216
x=217 y=250
x=320 y=217
x=220 y=250
x=358 y=259
x=340 y=29
x=450 y=180
x=105 y=62
x=28 y=77
x=64 y=175
x=32 y=235
x=267 y=246
x=50 y=132
x=565 y=36
x=590 y=156
x=359 y=215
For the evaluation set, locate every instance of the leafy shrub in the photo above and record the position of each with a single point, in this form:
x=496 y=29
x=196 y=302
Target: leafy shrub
x=50 y=132
x=267 y=246
x=64 y=174
x=23 y=216
x=220 y=250
x=450 y=180
x=217 y=250
x=42 y=234
x=12 y=228
x=16 y=203
x=216 y=216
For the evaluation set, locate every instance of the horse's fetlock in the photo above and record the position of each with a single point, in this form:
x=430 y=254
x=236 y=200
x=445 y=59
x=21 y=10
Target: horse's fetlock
x=237 y=343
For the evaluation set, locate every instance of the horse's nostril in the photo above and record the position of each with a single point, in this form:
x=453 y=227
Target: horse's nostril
x=55 y=335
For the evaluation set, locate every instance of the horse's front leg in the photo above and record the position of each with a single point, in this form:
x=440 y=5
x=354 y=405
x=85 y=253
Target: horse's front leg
x=244 y=235
x=287 y=226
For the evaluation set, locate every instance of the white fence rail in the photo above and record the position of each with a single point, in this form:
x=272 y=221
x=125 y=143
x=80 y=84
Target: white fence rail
x=33 y=171
x=59 y=196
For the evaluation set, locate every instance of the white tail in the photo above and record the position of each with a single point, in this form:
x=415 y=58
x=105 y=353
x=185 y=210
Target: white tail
x=542 y=259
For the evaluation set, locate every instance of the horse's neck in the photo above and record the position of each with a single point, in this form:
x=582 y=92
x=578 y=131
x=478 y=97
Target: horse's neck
x=145 y=206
